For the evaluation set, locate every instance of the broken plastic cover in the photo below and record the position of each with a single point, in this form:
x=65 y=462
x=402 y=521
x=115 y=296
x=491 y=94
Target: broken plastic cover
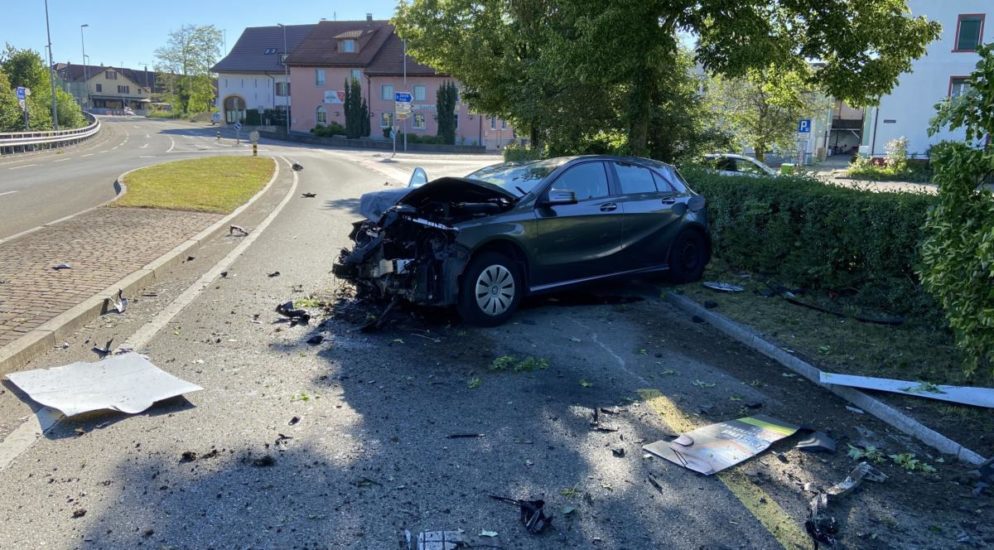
x=964 y=395
x=128 y=383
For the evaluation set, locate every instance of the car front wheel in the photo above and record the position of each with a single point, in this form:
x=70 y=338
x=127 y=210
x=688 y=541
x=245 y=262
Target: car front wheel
x=491 y=290
x=688 y=257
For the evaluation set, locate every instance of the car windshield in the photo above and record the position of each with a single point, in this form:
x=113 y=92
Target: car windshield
x=519 y=179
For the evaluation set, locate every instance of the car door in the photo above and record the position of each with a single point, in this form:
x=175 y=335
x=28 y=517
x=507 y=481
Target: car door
x=647 y=201
x=577 y=241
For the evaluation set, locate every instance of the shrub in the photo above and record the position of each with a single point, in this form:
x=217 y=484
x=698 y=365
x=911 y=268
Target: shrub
x=897 y=154
x=820 y=236
x=517 y=153
x=333 y=129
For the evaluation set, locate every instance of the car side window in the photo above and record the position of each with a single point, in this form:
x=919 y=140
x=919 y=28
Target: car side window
x=588 y=181
x=749 y=168
x=634 y=179
x=725 y=163
x=663 y=184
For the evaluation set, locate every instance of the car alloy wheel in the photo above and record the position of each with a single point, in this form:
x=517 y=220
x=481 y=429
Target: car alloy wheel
x=494 y=290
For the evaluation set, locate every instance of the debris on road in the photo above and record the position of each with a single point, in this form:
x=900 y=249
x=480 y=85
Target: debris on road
x=309 y=195
x=315 y=340
x=855 y=410
x=294 y=420
x=655 y=483
x=120 y=303
x=820 y=525
x=103 y=351
x=79 y=513
x=618 y=452
x=817 y=442
x=463 y=436
x=894 y=321
x=263 y=462
x=127 y=383
x=60 y=267
x=296 y=316
x=237 y=231
x=297 y=167
x=596 y=425
x=713 y=448
x=273 y=274
x=435 y=540
x=722 y=287
x=532 y=513
x=964 y=395
x=489 y=534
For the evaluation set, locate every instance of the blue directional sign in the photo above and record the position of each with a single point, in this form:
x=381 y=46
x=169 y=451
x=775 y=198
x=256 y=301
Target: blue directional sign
x=402 y=97
x=804 y=126
x=21 y=93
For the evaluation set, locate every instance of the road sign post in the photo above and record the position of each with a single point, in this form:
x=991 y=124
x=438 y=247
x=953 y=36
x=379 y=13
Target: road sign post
x=254 y=138
x=804 y=126
x=22 y=94
x=238 y=135
x=402 y=110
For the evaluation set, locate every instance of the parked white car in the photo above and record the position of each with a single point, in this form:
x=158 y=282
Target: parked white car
x=728 y=164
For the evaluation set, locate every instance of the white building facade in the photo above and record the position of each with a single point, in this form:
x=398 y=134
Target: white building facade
x=907 y=110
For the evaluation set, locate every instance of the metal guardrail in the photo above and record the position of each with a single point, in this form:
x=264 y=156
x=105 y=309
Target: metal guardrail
x=13 y=142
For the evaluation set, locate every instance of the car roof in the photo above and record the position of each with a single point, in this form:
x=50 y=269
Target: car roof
x=631 y=159
x=728 y=155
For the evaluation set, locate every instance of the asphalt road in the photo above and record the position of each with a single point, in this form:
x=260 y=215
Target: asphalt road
x=357 y=428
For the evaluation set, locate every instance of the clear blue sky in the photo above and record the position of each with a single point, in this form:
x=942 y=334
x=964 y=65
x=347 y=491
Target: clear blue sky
x=127 y=33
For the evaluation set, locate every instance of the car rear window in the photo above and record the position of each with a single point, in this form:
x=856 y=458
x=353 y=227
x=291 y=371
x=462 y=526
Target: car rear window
x=634 y=179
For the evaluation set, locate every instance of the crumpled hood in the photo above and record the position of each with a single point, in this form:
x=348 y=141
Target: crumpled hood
x=373 y=205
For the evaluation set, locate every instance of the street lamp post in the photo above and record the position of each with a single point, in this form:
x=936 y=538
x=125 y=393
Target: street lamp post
x=286 y=83
x=51 y=71
x=86 y=85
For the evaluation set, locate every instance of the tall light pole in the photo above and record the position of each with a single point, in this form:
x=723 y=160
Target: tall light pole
x=286 y=83
x=51 y=71
x=86 y=85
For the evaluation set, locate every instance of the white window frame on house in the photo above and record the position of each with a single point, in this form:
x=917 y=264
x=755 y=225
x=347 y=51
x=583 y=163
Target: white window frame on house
x=357 y=74
x=110 y=75
x=420 y=92
x=321 y=115
x=123 y=89
x=386 y=119
x=319 y=77
x=282 y=89
x=100 y=87
x=503 y=124
x=386 y=92
x=348 y=45
x=419 y=121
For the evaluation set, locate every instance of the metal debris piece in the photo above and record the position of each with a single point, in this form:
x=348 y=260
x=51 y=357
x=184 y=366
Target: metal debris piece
x=817 y=442
x=722 y=287
x=309 y=195
x=120 y=303
x=273 y=274
x=297 y=167
x=128 y=383
x=60 y=267
x=820 y=525
x=964 y=395
x=435 y=540
x=103 y=351
x=533 y=515
x=296 y=316
x=237 y=231
x=618 y=452
x=655 y=483
x=713 y=448
x=315 y=340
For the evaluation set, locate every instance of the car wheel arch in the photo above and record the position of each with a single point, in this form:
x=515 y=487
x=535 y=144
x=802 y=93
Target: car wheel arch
x=700 y=230
x=508 y=248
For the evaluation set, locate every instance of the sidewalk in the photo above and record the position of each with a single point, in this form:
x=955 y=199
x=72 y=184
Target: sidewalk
x=103 y=246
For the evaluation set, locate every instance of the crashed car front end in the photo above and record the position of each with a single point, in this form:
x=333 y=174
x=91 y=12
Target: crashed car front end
x=413 y=250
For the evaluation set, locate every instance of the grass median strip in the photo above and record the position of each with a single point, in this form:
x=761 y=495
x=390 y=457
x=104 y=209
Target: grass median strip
x=214 y=184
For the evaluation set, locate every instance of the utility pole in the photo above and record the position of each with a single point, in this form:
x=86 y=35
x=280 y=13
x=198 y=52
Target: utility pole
x=86 y=85
x=405 y=90
x=51 y=71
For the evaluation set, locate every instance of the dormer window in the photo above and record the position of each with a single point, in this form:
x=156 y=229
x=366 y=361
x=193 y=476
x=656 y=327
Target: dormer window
x=348 y=46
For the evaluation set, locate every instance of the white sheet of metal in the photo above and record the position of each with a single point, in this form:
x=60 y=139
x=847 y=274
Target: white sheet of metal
x=965 y=395
x=128 y=383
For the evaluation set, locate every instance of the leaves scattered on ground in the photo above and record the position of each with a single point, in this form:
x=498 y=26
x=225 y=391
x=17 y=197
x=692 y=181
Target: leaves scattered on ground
x=526 y=364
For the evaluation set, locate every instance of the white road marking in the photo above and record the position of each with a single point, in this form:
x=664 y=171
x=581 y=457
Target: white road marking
x=63 y=160
x=143 y=146
x=146 y=156
x=21 y=166
x=172 y=144
x=147 y=136
x=87 y=155
x=105 y=151
x=7 y=193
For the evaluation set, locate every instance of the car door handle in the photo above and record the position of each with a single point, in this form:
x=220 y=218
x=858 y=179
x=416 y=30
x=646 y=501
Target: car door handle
x=608 y=207
x=669 y=200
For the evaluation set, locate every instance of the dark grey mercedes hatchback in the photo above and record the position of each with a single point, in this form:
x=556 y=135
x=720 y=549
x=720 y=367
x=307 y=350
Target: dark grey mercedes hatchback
x=484 y=241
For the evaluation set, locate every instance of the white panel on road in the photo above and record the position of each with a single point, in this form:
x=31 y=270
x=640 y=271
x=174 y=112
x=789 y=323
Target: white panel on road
x=128 y=383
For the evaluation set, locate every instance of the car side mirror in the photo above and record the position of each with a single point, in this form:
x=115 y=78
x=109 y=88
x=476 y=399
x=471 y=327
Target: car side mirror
x=418 y=177
x=560 y=196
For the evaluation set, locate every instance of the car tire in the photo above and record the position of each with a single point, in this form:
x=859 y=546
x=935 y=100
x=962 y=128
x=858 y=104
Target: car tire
x=501 y=277
x=689 y=256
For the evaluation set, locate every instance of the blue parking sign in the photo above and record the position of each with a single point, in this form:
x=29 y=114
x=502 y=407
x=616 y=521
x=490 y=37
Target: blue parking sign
x=804 y=126
x=21 y=95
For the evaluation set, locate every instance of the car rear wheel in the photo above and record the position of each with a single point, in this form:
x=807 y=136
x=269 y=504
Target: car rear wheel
x=688 y=257
x=491 y=290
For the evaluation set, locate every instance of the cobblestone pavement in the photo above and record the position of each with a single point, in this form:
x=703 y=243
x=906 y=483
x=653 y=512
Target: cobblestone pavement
x=102 y=246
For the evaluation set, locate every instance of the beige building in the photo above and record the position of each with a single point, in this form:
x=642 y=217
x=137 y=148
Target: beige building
x=99 y=88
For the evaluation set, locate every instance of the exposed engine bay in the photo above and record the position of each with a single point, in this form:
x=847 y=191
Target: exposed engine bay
x=412 y=250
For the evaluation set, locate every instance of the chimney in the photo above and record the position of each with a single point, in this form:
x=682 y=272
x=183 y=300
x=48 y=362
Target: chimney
x=369 y=17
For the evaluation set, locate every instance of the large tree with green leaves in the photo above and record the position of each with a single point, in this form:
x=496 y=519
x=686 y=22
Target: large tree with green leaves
x=762 y=107
x=523 y=59
x=26 y=68
x=184 y=66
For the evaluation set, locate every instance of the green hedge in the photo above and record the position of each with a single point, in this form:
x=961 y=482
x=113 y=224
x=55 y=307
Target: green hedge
x=821 y=237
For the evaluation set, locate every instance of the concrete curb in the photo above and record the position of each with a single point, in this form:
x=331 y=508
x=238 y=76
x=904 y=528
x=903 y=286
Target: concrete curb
x=45 y=337
x=873 y=406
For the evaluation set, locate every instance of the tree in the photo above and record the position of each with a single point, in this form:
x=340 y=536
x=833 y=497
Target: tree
x=184 y=65
x=762 y=107
x=11 y=117
x=445 y=108
x=26 y=68
x=958 y=249
x=617 y=52
x=356 y=110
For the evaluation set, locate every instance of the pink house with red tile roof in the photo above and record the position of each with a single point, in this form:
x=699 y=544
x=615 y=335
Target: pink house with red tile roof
x=371 y=52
